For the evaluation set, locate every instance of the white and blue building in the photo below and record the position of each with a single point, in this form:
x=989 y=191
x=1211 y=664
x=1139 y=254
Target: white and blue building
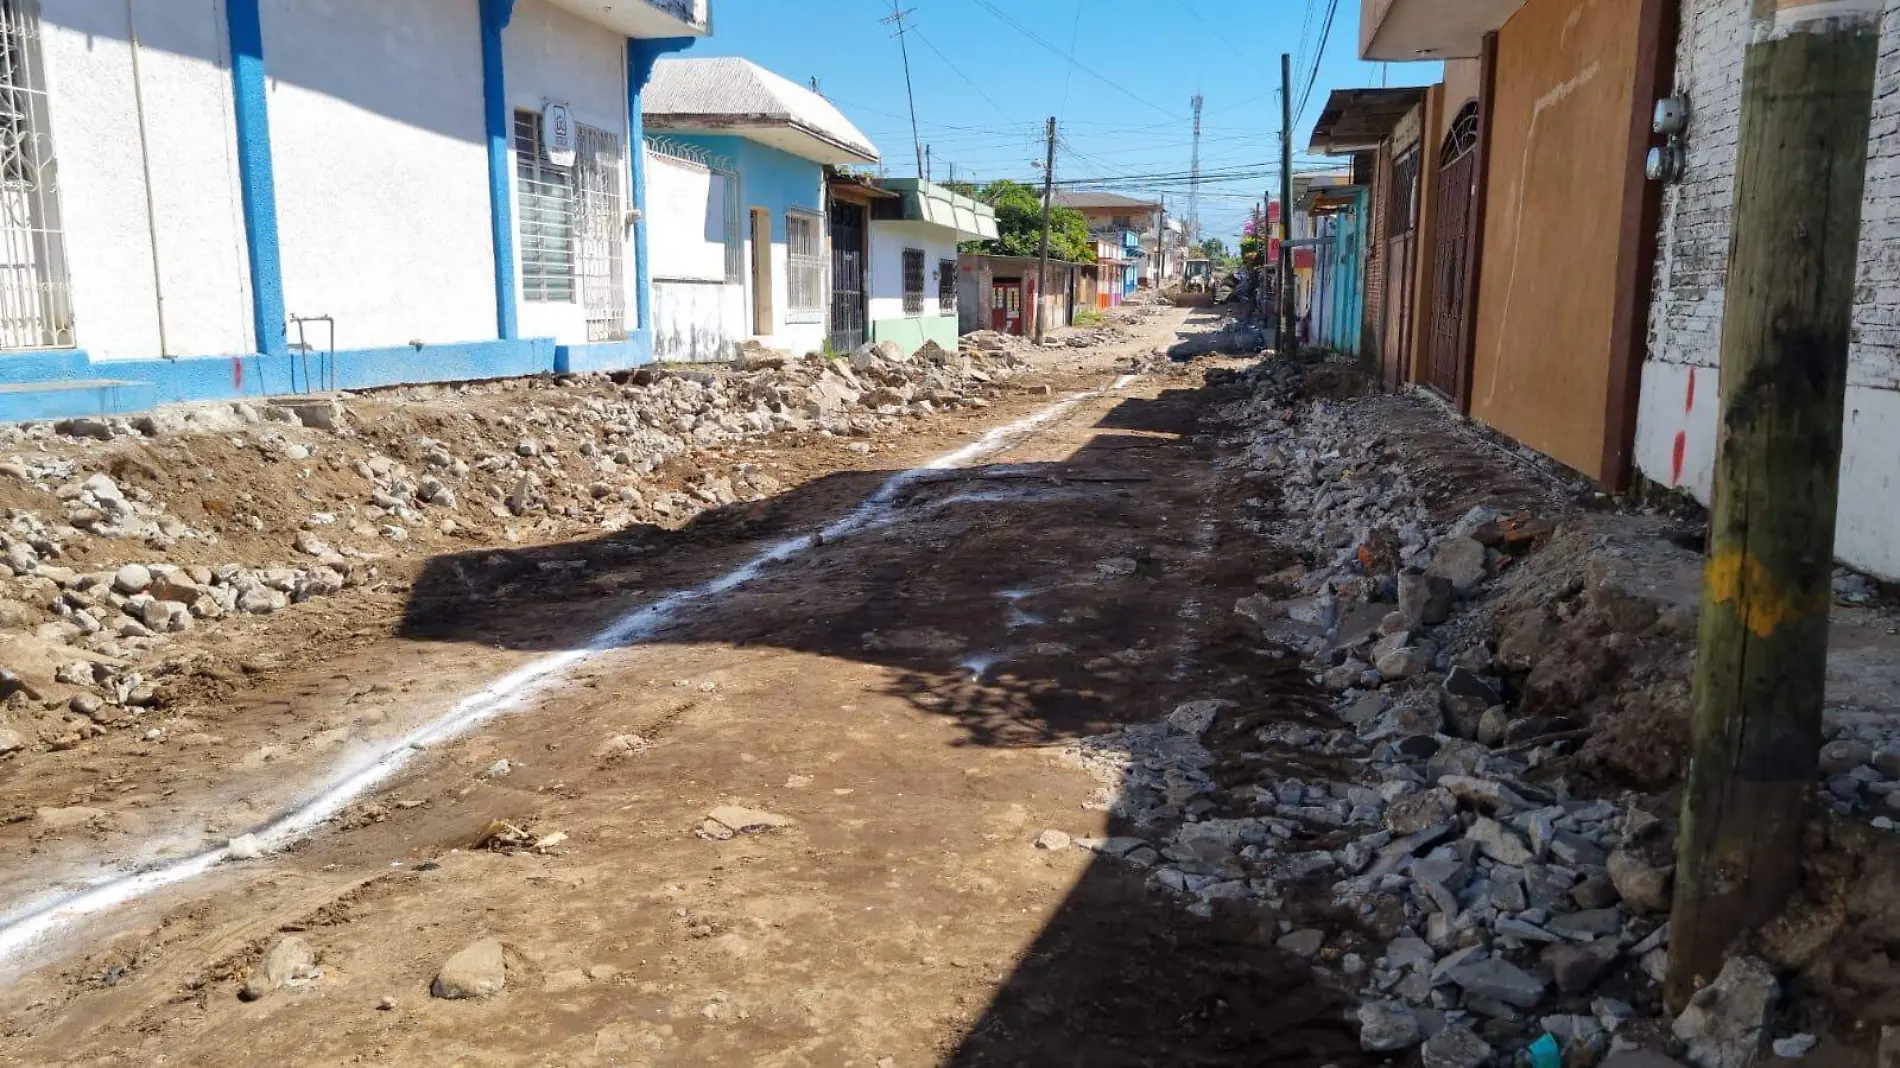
x=212 y=199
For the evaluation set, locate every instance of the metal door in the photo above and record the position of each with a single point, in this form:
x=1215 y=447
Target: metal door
x=1457 y=185
x=601 y=233
x=845 y=222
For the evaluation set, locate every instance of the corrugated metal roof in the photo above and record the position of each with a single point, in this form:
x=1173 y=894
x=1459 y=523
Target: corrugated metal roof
x=739 y=95
x=1084 y=199
x=932 y=203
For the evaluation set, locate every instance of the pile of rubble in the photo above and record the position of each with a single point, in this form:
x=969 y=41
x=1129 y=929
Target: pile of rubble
x=1415 y=806
x=119 y=536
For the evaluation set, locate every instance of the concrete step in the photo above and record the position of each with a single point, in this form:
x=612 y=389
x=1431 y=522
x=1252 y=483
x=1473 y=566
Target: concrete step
x=30 y=401
x=45 y=365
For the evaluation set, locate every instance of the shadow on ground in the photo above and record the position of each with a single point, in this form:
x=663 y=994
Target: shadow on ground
x=1029 y=603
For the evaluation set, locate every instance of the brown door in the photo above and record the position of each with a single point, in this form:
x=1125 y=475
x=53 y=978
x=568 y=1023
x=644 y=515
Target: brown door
x=1402 y=226
x=1445 y=368
x=761 y=271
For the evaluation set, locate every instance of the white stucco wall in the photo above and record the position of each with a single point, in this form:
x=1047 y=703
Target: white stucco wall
x=199 y=251
x=381 y=164
x=697 y=314
x=552 y=56
x=1676 y=433
x=888 y=242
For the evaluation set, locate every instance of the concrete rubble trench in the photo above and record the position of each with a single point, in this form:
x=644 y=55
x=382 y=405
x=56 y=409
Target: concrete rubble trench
x=1414 y=738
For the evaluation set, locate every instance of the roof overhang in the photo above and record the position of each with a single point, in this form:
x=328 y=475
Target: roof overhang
x=1402 y=30
x=794 y=138
x=1355 y=120
x=646 y=18
x=929 y=202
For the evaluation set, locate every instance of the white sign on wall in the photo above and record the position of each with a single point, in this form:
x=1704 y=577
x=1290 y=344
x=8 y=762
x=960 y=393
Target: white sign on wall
x=557 y=125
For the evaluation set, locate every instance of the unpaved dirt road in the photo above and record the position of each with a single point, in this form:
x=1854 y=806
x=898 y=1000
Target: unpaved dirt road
x=895 y=692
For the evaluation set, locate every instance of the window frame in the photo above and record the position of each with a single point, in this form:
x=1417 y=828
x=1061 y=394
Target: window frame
x=810 y=263
x=914 y=295
x=947 y=286
x=543 y=253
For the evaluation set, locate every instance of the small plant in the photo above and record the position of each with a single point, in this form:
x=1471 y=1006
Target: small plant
x=1088 y=317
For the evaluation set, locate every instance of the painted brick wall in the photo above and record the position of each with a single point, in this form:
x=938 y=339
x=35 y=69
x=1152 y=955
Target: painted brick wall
x=1676 y=429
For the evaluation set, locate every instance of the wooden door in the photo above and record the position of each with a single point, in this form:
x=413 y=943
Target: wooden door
x=1445 y=364
x=761 y=271
x=1401 y=220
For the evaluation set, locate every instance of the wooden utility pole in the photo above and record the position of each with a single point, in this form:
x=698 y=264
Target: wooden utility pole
x=1048 y=205
x=1285 y=342
x=1807 y=91
x=903 y=49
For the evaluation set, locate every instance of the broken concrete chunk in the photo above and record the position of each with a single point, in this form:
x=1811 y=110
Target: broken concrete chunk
x=1646 y=886
x=1414 y=813
x=1425 y=599
x=728 y=820
x=289 y=960
x=1577 y=968
x=1304 y=942
x=1455 y=1047
x=1498 y=980
x=477 y=970
x=1499 y=842
x=1053 y=840
x=1196 y=717
x=1387 y=1025
x=1723 y=1026
x=1459 y=561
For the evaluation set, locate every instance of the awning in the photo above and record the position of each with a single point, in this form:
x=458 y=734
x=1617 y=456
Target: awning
x=931 y=203
x=1355 y=120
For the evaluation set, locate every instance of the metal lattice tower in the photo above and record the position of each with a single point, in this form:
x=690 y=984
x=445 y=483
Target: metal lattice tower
x=1194 y=179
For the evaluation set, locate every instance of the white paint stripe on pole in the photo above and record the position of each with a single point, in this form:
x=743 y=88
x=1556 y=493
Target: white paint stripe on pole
x=30 y=924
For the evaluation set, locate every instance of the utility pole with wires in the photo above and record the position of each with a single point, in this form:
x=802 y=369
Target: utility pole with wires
x=1808 y=83
x=1048 y=205
x=916 y=140
x=1284 y=342
x=927 y=163
x=1193 y=223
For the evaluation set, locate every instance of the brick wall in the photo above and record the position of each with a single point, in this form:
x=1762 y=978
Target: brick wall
x=1676 y=429
x=1369 y=339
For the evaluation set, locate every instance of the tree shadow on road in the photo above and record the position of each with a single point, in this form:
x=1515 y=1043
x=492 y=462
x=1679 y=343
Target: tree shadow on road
x=1031 y=604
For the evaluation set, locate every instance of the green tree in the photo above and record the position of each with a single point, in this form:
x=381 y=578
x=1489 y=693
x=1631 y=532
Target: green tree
x=1214 y=249
x=1019 y=225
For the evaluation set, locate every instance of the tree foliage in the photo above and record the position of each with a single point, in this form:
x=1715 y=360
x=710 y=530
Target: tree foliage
x=1019 y=225
x=1214 y=249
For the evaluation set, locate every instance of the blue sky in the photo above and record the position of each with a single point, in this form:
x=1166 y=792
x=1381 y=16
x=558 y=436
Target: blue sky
x=985 y=88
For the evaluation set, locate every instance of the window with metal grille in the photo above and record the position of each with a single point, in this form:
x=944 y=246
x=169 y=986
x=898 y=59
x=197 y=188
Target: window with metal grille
x=913 y=281
x=545 y=198
x=601 y=226
x=1402 y=208
x=805 y=263
x=946 y=287
x=35 y=308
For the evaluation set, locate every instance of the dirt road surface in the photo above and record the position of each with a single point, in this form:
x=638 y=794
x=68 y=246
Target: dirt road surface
x=895 y=696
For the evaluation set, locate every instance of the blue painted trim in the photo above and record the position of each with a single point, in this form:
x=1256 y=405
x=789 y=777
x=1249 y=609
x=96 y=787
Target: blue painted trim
x=61 y=400
x=202 y=378
x=641 y=55
x=496 y=14
x=39 y=366
x=605 y=356
x=256 y=174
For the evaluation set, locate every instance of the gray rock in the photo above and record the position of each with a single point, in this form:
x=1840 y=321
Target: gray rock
x=1843 y=756
x=1511 y=927
x=1403 y=663
x=1304 y=942
x=1499 y=842
x=1887 y=762
x=287 y=961
x=1794 y=1047
x=1723 y=1025
x=1586 y=926
x=11 y=741
x=1425 y=599
x=1195 y=717
x=1409 y=951
x=1463 y=683
x=1455 y=1047
x=1484 y=794
x=1459 y=561
x=1492 y=725
x=1051 y=839
x=1645 y=886
x=1577 y=968
x=1498 y=980
x=477 y=970
x=131 y=579
x=1416 y=812
x=1387 y=1025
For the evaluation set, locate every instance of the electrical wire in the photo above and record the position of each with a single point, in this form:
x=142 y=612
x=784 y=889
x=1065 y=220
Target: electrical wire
x=1319 y=56
x=959 y=72
x=1079 y=65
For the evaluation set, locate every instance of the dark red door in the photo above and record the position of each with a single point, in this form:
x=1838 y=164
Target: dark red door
x=1450 y=314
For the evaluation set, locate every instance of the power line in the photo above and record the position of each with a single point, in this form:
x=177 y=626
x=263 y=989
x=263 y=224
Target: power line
x=959 y=72
x=917 y=141
x=1319 y=56
x=1079 y=65
x=1075 y=37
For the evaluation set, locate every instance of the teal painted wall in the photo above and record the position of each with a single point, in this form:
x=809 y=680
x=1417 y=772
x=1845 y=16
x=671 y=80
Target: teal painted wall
x=913 y=332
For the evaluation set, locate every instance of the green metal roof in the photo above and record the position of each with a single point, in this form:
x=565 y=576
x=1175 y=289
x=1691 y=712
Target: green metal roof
x=928 y=202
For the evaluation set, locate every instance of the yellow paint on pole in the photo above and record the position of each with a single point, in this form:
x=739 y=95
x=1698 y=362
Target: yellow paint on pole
x=1737 y=579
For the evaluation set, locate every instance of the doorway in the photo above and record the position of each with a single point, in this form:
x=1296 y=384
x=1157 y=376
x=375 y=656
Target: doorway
x=761 y=272
x=847 y=275
x=1447 y=346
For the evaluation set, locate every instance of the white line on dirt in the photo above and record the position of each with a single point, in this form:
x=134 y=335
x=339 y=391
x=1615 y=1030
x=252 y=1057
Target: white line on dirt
x=30 y=924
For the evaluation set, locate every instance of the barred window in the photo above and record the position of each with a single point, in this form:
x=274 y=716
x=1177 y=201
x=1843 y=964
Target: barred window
x=35 y=311
x=946 y=287
x=805 y=262
x=545 y=198
x=913 y=281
